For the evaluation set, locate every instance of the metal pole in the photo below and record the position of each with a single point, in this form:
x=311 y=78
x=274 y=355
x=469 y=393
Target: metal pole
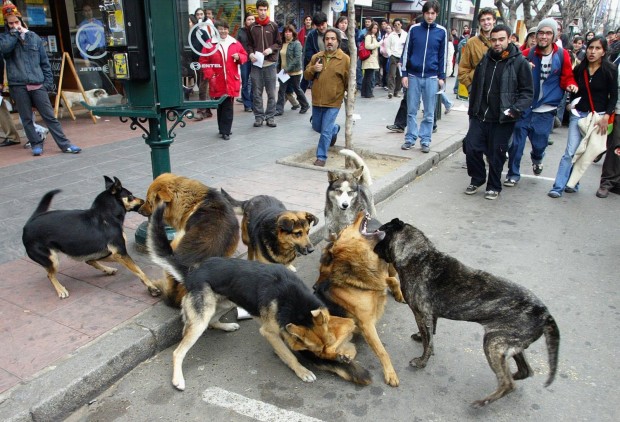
x=474 y=24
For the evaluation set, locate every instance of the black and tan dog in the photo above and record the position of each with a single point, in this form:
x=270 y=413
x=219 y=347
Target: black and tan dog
x=436 y=285
x=204 y=221
x=85 y=235
x=272 y=233
x=353 y=281
x=291 y=317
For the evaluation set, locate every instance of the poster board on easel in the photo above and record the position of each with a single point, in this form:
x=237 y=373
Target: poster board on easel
x=69 y=81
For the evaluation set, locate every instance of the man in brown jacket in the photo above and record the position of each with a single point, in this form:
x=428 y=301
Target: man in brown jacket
x=329 y=70
x=264 y=39
x=476 y=47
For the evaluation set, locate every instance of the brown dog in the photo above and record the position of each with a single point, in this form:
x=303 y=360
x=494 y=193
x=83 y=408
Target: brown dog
x=353 y=280
x=292 y=319
x=204 y=221
x=272 y=233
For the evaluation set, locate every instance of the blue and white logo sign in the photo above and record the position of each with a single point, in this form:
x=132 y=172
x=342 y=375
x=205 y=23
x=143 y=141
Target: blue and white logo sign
x=90 y=40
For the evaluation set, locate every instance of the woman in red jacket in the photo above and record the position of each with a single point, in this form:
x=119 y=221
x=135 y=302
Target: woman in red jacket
x=220 y=66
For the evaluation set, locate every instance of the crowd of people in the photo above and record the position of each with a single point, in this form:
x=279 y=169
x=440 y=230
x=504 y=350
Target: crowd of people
x=516 y=90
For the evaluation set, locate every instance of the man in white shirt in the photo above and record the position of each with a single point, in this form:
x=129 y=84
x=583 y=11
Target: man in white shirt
x=394 y=46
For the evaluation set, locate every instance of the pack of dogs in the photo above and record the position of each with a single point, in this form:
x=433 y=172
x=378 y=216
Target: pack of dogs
x=362 y=262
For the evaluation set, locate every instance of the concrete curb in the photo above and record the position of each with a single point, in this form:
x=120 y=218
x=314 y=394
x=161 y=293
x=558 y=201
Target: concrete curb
x=59 y=390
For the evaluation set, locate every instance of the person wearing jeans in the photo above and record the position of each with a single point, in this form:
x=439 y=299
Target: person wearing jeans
x=423 y=69
x=424 y=89
x=245 y=68
x=597 y=82
x=30 y=78
x=329 y=71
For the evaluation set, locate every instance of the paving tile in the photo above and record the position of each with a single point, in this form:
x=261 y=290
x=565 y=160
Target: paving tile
x=13 y=316
x=33 y=291
x=7 y=380
x=96 y=313
x=33 y=346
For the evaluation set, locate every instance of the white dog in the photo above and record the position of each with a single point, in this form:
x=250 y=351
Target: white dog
x=74 y=97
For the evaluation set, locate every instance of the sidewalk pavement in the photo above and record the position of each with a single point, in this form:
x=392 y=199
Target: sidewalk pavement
x=58 y=354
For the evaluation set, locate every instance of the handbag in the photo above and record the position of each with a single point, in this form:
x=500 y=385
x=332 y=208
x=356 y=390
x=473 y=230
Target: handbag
x=612 y=117
x=362 y=52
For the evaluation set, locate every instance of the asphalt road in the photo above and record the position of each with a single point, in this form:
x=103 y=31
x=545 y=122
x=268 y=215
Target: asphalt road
x=564 y=250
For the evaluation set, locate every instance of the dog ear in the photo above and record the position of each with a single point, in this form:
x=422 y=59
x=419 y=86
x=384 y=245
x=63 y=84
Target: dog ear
x=286 y=224
x=108 y=182
x=399 y=223
x=332 y=176
x=165 y=195
x=312 y=219
x=115 y=187
x=320 y=316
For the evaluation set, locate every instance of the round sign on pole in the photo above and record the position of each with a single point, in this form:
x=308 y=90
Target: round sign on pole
x=337 y=5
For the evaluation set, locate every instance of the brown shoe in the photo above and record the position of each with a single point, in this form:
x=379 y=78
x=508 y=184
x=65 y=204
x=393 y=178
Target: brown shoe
x=319 y=162
x=602 y=192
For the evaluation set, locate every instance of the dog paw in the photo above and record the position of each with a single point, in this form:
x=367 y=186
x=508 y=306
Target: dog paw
x=110 y=271
x=154 y=291
x=416 y=337
x=63 y=293
x=292 y=268
x=418 y=362
x=225 y=326
x=391 y=379
x=344 y=358
x=306 y=375
x=479 y=403
x=400 y=298
x=179 y=384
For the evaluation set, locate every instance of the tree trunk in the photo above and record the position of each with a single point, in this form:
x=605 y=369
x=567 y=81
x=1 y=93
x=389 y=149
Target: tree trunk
x=350 y=101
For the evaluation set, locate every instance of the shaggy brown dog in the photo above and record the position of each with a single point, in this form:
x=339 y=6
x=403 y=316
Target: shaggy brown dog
x=353 y=282
x=272 y=233
x=204 y=221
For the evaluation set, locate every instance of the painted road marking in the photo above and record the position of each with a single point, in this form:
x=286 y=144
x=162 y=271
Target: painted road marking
x=255 y=409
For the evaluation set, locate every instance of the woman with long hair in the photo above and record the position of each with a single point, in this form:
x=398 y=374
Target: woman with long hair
x=371 y=64
x=589 y=36
x=343 y=24
x=291 y=64
x=597 y=80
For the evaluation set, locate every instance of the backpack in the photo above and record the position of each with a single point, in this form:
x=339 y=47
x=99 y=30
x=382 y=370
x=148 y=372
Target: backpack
x=362 y=53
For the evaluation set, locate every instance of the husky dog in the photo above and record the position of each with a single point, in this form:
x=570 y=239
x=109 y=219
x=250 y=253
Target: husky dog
x=347 y=194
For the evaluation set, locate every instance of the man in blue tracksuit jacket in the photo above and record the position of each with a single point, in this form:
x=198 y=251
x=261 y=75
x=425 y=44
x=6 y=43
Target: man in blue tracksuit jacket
x=423 y=68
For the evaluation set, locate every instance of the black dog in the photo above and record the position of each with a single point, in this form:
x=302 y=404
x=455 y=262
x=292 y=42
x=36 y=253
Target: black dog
x=436 y=285
x=84 y=235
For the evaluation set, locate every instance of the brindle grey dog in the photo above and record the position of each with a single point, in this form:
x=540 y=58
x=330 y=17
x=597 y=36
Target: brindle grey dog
x=436 y=285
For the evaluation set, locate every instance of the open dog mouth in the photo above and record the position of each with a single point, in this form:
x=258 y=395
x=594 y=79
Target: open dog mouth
x=374 y=234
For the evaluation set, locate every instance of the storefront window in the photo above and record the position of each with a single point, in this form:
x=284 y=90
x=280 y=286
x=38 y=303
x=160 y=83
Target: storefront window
x=88 y=44
x=36 y=13
x=197 y=41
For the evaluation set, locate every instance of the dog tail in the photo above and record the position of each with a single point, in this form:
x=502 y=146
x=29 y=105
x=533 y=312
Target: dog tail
x=159 y=248
x=237 y=205
x=45 y=202
x=552 y=337
x=359 y=162
x=352 y=371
